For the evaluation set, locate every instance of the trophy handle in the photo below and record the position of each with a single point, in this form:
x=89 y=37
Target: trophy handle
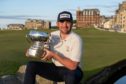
x=28 y=39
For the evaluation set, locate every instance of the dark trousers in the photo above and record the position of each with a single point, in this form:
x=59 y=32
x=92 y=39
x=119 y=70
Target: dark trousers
x=51 y=72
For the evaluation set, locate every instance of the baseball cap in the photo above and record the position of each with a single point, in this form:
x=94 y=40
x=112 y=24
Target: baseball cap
x=65 y=15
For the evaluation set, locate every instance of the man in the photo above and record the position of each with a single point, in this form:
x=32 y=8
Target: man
x=65 y=52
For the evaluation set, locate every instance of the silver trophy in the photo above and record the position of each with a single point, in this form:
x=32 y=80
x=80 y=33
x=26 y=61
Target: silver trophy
x=39 y=41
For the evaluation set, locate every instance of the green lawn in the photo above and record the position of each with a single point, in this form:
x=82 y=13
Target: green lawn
x=101 y=48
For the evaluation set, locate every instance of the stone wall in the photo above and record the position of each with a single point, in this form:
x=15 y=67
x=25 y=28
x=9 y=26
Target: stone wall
x=19 y=77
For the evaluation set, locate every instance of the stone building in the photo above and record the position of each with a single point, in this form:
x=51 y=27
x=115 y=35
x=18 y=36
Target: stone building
x=121 y=16
x=103 y=19
x=15 y=26
x=37 y=24
x=108 y=24
x=87 y=18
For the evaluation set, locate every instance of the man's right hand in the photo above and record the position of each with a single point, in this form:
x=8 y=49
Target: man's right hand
x=45 y=55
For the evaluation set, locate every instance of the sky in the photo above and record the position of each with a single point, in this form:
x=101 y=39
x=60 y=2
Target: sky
x=18 y=11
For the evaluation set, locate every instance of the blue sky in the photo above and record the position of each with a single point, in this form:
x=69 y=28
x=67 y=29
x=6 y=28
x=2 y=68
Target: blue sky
x=17 y=11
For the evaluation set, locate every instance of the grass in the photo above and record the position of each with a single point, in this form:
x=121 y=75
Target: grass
x=101 y=48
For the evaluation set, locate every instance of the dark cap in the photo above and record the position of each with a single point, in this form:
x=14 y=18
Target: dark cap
x=65 y=15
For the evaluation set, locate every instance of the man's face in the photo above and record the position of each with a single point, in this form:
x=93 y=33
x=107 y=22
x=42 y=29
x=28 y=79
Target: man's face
x=65 y=26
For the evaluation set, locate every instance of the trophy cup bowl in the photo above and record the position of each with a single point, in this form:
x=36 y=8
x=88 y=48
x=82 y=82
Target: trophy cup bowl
x=37 y=36
x=39 y=40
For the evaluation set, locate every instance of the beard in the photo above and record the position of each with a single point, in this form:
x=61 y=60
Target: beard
x=65 y=31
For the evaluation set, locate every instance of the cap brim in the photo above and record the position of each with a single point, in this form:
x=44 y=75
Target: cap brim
x=66 y=19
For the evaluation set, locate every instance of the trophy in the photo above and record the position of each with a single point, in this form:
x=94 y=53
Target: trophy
x=39 y=41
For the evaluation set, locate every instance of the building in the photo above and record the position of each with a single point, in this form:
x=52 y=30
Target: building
x=121 y=16
x=103 y=19
x=37 y=24
x=15 y=26
x=108 y=24
x=87 y=18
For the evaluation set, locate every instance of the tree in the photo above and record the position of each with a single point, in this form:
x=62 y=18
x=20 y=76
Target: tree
x=74 y=21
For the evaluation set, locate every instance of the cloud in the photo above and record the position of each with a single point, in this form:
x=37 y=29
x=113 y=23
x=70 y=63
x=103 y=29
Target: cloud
x=102 y=6
x=20 y=17
x=107 y=6
x=73 y=10
x=9 y=19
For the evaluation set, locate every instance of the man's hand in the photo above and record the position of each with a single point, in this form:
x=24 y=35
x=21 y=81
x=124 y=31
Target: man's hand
x=26 y=53
x=47 y=55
